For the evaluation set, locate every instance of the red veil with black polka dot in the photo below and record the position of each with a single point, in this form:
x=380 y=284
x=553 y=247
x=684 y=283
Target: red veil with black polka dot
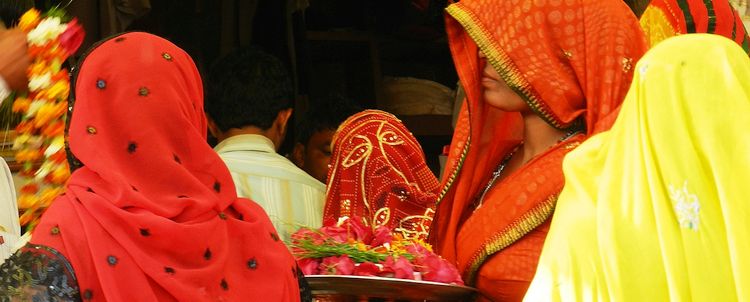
x=52 y=37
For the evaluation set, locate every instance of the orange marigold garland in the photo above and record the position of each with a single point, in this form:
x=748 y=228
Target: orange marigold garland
x=40 y=134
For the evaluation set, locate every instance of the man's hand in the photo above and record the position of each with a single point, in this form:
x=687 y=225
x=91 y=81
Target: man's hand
x=13 y=58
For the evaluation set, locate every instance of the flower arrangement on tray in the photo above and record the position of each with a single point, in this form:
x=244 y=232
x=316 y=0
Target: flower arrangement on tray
x=351 y=247
x=40 y=134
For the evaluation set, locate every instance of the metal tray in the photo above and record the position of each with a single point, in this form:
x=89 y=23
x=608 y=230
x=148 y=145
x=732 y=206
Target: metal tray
x=362 y=288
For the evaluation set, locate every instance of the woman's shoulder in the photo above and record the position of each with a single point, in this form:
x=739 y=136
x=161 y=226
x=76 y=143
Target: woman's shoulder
x=38 y=273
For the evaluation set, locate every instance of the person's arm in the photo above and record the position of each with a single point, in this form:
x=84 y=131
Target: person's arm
x=14 y=60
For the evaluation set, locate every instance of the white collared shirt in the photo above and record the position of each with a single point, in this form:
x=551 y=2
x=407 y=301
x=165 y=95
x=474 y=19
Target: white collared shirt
x=10 y=230
x=291 y=197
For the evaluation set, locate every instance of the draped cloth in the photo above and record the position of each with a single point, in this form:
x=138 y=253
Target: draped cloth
x=10 y=228
x=667 y=18
x=152 y=215
x=379 y=173
x=571 y=61
x=655 y=208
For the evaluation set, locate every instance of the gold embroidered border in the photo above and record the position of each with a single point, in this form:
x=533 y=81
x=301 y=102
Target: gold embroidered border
x=501 y=61
x=454 y=173
x=529 y=221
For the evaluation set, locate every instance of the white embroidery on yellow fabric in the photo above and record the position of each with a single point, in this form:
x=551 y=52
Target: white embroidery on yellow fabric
x=686 y=206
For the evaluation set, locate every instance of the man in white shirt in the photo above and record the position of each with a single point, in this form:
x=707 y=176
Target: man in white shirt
x=10 y=229
x=13 y=64
x=249 y=101
x=314 y=133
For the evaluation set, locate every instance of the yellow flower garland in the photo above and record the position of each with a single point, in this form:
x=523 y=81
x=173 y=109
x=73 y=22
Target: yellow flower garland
x=40 y=134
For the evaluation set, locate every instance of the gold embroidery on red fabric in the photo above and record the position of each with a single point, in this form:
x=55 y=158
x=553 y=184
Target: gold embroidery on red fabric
x=387 y=133
x=627 y=64
x=346 y=208
x=519 y=228
x=416 y=226
x=572 y=145
x=359 y=153
x=454 y=173
x=382 y=217
x=567 y=54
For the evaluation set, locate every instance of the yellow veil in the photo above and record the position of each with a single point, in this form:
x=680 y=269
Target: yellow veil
x=658 y=208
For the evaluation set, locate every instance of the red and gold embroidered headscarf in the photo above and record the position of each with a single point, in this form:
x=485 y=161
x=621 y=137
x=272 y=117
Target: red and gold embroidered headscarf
x=667 y=18
x=152 y=215
x=379 y=173
x=570 y=60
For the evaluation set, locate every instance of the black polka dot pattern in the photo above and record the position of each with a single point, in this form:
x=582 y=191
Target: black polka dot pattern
x=143 y=91
x=274 y=237
x=145 y=232
x=120 y=39
x=224 y=284
x=132 y=146
x=252 y=264
x=207 y=254
x=176 y=158
x=134 y=188
x=111 y=260
x=169 y=270
x=90 y=190
x=88 y=295
x=217 y=187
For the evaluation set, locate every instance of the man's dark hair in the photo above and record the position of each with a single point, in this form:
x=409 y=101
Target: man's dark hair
x=324 y=114
x=247 y=87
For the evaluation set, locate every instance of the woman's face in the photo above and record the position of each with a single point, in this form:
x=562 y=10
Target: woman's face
x=496 y=92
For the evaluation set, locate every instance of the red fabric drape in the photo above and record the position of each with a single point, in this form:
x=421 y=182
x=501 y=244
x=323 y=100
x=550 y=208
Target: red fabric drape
x=571 y=61
x=696 y=16
x=376 y=163
x=153 y=214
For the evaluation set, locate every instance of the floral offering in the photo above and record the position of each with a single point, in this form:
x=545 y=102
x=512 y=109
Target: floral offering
x=351 y=247
x=40 y=134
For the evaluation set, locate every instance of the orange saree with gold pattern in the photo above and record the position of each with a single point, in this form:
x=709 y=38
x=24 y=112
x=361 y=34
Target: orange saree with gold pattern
x=571 y=61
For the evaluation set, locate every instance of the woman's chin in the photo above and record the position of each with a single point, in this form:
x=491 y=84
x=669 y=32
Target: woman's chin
x=504 y=102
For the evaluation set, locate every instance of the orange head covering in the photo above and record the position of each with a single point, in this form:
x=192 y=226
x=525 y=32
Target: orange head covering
x=570 y=60
x=667 y=18
x=379 y=173
x=152 y=213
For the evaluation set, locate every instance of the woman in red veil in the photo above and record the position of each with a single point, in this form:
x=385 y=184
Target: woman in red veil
x=150 y=212
x=378 y=173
